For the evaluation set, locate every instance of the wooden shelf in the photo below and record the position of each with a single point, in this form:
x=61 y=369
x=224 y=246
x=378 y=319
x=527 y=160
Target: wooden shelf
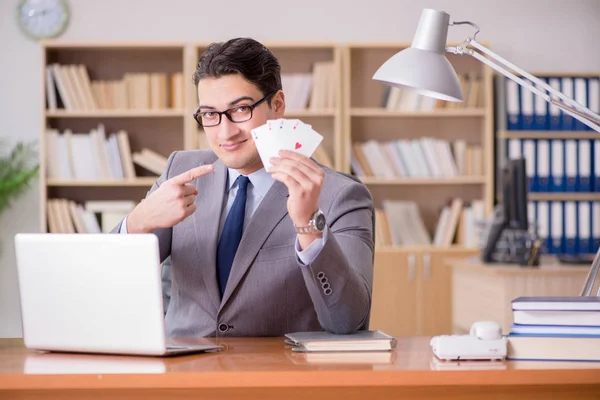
x=431 y=248
x=548 y=135
x=441 y=113
x=116 y=114
x=76 y=45
x=459 y=180
x=142 y=181
x=564 y=196
x=309 y=113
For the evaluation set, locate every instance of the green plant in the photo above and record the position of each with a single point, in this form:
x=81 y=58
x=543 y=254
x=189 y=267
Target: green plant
x=17 y=168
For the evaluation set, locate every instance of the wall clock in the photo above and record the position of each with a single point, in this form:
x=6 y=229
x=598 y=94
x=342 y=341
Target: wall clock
x=41 y=19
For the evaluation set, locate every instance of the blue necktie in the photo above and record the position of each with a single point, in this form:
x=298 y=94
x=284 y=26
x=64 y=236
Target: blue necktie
x=232 y=233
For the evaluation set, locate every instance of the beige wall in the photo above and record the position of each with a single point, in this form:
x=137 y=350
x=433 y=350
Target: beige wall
x=535 y=34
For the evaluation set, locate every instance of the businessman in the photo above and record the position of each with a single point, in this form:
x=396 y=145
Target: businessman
x=256 y=253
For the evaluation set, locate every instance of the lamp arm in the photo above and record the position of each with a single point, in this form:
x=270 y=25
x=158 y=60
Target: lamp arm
x=555 y=97
x=565 y=103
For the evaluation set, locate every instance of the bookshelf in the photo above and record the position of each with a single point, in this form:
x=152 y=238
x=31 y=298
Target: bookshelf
x=348 y=108
x=562 y=159
x=370 y=116
x=412 y=287
x=312 y=86
x=93 y=91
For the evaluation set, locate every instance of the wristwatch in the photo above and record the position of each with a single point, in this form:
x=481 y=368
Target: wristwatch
x=315 y=225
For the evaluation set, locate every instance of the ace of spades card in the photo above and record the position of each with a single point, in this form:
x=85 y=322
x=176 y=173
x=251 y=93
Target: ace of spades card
x=284 y=134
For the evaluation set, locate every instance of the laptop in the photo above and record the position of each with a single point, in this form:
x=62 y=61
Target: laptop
x=94 y=293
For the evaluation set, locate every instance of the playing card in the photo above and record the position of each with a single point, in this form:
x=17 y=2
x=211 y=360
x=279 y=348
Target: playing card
x=285 y=134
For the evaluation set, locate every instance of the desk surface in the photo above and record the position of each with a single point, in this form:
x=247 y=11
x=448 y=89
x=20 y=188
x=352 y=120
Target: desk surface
x=256 y=367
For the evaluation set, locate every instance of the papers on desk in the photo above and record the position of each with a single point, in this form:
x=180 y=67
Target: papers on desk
x=321 y=341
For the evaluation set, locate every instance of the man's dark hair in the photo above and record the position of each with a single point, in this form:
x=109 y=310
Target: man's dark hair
x=244 y=56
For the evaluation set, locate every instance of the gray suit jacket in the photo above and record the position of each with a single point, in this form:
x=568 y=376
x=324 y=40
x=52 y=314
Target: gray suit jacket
x=269 y=291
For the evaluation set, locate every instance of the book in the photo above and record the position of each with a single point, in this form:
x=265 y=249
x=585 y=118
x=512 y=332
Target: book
x=574 y=303
x=327 y=341
x=556 y=317
x=542 y=330
x=553 y=347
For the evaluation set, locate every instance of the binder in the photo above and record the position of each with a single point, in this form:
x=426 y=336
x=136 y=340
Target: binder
x=543 y=165
x=557 y=159
x=570 y=221
x=594 y=96
x=596 y=165
x=595 y=226
x=581 y=96
x=513 y=106
x=567 y=121
x=554 y=111
x=541 y=110
x=584 y=227
x=556 y=227
x=543 y=220
x=527 y=116
x=531 y=217
x=570 y=164
x=585 y=165
x=530 y=161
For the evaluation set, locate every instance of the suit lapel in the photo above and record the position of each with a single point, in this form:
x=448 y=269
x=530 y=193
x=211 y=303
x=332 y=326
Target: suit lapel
x=209 y=205
x=268 y=214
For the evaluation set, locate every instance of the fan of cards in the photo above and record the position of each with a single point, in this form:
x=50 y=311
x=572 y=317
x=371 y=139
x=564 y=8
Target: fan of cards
x=284 y=134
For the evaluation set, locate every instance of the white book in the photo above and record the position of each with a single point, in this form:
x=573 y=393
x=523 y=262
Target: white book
x=84 y=161
x=50 y=89
x=419 y=158
x=408 y=156
x=431 y=157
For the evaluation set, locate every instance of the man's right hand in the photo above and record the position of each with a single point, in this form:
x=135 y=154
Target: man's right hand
x=172 y=202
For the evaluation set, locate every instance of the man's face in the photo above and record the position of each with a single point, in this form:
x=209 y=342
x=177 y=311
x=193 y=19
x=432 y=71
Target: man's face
x=232 y=142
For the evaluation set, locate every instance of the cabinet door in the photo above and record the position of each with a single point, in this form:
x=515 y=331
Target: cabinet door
x=394 y=303
x=435 y=291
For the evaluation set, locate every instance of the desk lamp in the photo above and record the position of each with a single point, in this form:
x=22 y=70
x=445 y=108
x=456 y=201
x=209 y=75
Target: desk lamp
x=424 y=68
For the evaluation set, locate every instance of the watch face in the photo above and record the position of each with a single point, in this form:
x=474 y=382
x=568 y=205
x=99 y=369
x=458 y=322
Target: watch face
x=320 y=221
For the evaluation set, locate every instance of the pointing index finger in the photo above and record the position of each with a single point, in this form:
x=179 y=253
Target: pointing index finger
x=192 y=174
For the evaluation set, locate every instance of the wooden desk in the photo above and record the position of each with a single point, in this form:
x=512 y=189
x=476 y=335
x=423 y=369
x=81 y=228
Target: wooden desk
x=484 y=291
x=264 y=368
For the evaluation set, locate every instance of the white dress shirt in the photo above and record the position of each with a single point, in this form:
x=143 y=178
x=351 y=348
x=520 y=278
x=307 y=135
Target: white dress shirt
x=260 y=183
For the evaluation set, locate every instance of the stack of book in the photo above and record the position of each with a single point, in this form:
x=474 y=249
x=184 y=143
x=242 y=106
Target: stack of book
x=555 y=328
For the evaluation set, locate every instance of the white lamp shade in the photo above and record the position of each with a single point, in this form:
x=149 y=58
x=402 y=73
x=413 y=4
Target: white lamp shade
x=427 y=72
x=423 y=66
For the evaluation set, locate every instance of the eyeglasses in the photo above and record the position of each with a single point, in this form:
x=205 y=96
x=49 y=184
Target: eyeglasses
x=235 y=114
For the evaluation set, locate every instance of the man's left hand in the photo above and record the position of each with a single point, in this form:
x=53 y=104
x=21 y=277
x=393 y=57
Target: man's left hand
x=304 y=179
